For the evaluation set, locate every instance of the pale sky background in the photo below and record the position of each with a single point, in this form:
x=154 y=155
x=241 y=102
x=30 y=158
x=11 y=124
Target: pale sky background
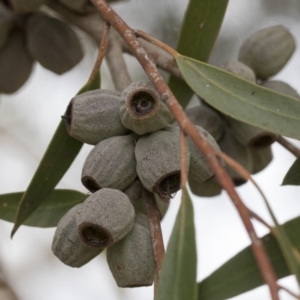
x=29 y=118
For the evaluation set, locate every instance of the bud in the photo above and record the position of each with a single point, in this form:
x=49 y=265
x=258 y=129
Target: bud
x=131 y=260
x=110 y=164
x=239 y=69
x=142 y=110
x=105 y=218
x=94 y=116
x=53 y=43
x=281 y=87
x=267 y=51
x=67 y=245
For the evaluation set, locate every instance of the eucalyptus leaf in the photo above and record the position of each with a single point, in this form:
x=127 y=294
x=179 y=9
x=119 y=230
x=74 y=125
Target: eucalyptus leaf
x=178 y=274
x=48 y=214
x=292 y=177
x=241 y=273
x=241 y=99
x=199 y=31
x=57 y=159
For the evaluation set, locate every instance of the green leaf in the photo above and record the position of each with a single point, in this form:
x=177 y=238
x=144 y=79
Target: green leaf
x=55 y=205
x=200 y=29
x=241 y=274
x=241 y=99
x=178 y=274
x=59 y=156
x=293 y=175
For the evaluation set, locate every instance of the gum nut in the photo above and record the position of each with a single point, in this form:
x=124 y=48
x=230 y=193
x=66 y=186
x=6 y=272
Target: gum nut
x=23 y=6
x=209 y=188
x=53 y=43
x=105 y=218
x=134 y=193
x=251 y=136
x=162 y=206
x=16 y=63
x=131 y=260
x=240 y=153
x=199 y=168
x=261 y=159
x=239 y=69
x=6 y=23
x=208 y=119
x=267 y=51
x=281 y=87
x=158 y=162
x=94 y=116
x=67 y=245
x=142 y=110
x=110 y=164
x=81 y=6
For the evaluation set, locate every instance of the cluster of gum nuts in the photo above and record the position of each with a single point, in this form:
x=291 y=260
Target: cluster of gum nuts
x=137 y=148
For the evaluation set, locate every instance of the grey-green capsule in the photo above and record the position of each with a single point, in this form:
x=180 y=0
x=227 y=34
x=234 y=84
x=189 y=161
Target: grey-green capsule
x=24 y=6
x=81 y=6
x=208 y=119
x=105 y=218
x=94 y=116
x=261 y=159
x=158 y=162
x=110 y=164
x=209 y=188
x=67 y=245
x=131 y=260
x=142 y=110
x=281 y=87
x=16 y=63
x=267 y=51
x=239 y=69
x=53 y=43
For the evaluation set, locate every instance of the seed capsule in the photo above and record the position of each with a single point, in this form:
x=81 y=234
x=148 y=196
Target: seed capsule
x=6 y=23
x=67 y=245
x=81 y=6
x=208 y=119
x=267 y=51
x=239 y=69
x=281 y=87
x=105 y=218
x=94 y=116
x=23 y=6
x=53 y=43
x=209 y=188
x=142 y=110
x=131 y=260
x=16 y=63
x=110 y=164
x=261 y=159
x=158 y=162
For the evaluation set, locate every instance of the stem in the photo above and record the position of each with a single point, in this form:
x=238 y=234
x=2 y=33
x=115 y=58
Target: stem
x=223 y=178
x=288 y=146
x=183 y=153
x=289 y=292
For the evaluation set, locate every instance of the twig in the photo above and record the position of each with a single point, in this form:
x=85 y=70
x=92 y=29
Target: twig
x=183 y=153
x=116 y=65
x=223 y=178
x=289 y=146
x=156 y=234
x=289 y=292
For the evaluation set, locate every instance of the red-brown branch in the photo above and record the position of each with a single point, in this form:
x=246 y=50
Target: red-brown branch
x=288 y=146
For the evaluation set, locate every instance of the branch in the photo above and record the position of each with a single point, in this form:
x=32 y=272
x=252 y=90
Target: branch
x=166 y=95
x=288 y=146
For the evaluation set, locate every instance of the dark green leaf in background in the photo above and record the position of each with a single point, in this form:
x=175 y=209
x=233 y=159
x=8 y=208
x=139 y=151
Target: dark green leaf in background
x=241 y=274
x=59 y=156
x=200 y=29
x=241 y=99
x=48 y=214
x=178 y=276
x=293 y=175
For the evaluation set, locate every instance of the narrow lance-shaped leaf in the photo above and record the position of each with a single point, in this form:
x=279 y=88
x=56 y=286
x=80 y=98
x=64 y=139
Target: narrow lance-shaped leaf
x=199 y=31
x=57 y=159
x=241 y=99
x=241 y=273
x=292 y=177
x=179 y=270
x=48 y=214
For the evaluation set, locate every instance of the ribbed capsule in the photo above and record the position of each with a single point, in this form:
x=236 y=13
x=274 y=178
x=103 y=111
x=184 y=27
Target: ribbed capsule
x=281 y=87
x=267 y=51
x=110 y=164
x=131 y=260
x=158 y=162
x=142 y=110
x=105 y=217
x=94 y=116
x=239 y=69
x=16 y=63
x=53 y=43
x=24 y=6
x=67 y=245
x=208 y=119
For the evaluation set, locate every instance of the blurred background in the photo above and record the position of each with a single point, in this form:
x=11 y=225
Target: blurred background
x=29 y=118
